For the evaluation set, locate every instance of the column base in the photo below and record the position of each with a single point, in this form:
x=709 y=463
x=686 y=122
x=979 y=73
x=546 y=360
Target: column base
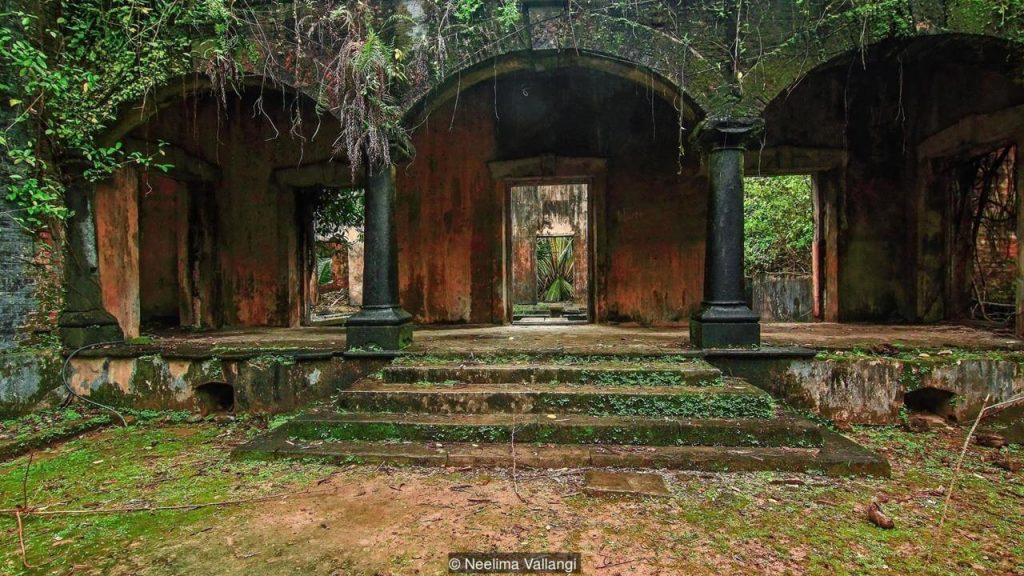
x=78 y=329
x=726 y=326
x=387 y=329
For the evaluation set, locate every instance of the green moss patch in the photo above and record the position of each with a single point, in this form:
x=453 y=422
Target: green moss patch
x=555 y=429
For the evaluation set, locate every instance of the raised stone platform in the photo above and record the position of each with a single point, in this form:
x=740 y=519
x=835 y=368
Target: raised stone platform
x=674 y=412
x=853 y=373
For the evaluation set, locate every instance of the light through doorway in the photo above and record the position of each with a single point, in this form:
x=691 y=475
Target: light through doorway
x=550 y=244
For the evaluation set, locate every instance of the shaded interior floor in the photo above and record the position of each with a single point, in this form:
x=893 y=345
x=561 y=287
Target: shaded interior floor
x=583 y=339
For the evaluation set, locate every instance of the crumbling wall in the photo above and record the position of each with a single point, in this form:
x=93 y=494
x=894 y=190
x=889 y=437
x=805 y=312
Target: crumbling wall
x=17 y=296
x=266 y=383
x=243 y=228
x=782 y=298
x=451 y=213
x=856 y=388
x=883 y=108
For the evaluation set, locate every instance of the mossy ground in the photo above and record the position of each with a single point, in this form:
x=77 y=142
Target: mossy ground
x=405 y=521
x=147 y=465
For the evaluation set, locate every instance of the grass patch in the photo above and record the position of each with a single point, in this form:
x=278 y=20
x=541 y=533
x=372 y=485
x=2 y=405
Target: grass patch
x=139 y=465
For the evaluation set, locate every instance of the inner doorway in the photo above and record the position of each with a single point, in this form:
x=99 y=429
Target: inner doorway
x=550 y=243
x=983 y=243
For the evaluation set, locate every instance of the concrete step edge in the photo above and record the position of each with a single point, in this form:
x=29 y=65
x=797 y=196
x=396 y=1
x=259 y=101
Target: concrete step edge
x=838 y=456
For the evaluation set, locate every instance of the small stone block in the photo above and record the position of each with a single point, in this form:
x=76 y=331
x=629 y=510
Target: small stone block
x=599 y=483
x=715 y=335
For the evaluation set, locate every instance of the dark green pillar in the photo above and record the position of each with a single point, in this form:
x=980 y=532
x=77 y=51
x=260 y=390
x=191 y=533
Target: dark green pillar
x=381 y=324
x=725 y=320
x=83 y=319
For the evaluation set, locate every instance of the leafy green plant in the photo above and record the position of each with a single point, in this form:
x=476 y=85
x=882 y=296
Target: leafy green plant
x=465 y=9
x=338 y=209
x=778 y=225
x=556 y=266
x=66 y=80
x=323 y=271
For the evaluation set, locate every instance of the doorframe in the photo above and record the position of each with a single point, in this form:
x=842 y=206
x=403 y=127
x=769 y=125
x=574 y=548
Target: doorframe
x=553 y=170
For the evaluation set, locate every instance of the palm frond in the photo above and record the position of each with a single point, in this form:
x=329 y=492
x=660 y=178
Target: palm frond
x=556 y=266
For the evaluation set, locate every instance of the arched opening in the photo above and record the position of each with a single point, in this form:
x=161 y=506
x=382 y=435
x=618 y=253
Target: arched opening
x=626 y=193
x=216 y=230
x=929 y=400
x=888 y=135
x=215 y=398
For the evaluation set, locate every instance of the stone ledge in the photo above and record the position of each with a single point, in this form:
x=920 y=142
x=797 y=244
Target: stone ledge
x=838 y=456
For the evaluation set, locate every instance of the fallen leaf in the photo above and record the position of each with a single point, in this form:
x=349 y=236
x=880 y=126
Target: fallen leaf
x=990 y=440
x=1009 y=465
x=878 y=518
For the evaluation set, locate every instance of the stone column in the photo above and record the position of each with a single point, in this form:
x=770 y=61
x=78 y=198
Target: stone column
x=83 y=320
x=725 y=320
x=381 y=324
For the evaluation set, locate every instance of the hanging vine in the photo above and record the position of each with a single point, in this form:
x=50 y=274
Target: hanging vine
x=74 y=66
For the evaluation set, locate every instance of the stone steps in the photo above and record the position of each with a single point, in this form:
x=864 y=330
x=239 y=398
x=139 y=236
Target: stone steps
x=690 y=373
x=554 y=429
x=563 y=412
x=837 y=456
x=733 y=399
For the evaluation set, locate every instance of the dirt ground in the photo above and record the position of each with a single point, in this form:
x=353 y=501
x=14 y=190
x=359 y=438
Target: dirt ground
x=377 y=520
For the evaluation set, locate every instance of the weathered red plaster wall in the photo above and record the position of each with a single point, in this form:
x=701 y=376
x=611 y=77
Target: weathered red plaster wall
x=117 y=244
x=450 y=220
x=158 y=249
x=257 y=246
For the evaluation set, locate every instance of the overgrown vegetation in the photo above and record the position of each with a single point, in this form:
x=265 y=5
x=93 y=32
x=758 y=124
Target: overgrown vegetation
x=337 y=210
x=711 y=523
x=778 y=225
x=76 y=67
x=70 y=70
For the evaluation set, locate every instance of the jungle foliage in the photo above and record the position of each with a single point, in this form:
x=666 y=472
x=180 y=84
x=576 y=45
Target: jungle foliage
x=71 y=69
x=778 y=225
x=338 y=209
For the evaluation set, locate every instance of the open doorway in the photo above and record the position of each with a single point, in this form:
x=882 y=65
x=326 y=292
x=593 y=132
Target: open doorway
x=550 y=264
x=336 y=260
x=779 y=235
x=983 y=240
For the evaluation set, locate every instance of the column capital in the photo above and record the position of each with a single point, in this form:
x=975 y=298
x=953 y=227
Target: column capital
x=717 y=133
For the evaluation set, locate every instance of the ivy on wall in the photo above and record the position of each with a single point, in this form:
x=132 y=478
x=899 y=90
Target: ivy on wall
x=74 y=66
x=77 y=64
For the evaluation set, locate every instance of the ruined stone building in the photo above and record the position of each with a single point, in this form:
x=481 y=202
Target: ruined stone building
x=652 y=113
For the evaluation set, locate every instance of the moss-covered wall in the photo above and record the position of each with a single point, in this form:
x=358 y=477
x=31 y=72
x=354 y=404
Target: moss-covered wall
x=29 y=378
x=856 y=388
x=266 y=383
